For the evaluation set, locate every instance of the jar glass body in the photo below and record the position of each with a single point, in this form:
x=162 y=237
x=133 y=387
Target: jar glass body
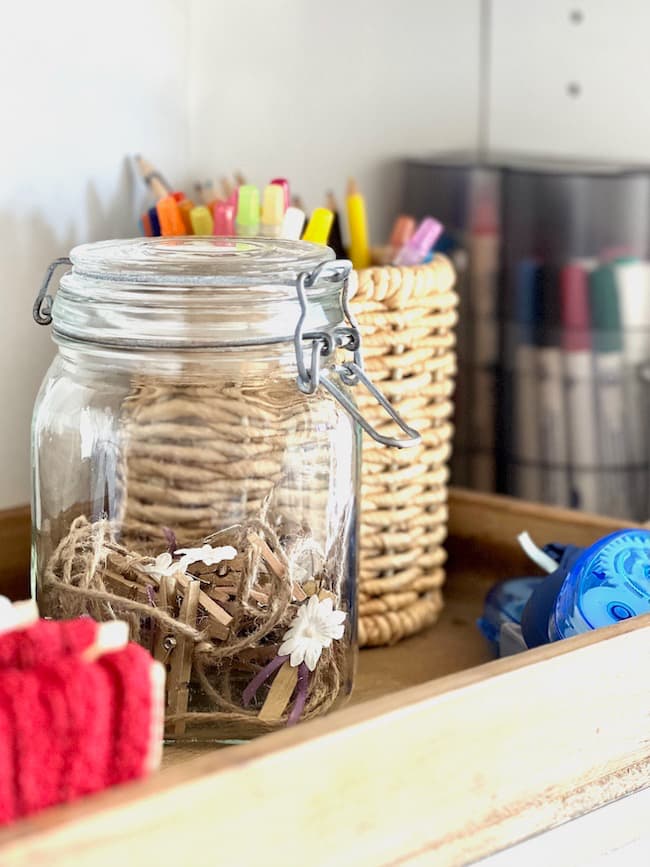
x=203 y=498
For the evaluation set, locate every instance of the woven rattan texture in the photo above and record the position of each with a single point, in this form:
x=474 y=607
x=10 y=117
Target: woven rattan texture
x=407 y=318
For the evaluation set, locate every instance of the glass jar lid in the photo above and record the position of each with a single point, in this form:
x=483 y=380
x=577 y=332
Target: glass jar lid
x=195 y=292
x=199 y=261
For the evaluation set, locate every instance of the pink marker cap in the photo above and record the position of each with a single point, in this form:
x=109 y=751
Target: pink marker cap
x=421 y=243
x=574 y=307
x=284 y=183
x=224 y=218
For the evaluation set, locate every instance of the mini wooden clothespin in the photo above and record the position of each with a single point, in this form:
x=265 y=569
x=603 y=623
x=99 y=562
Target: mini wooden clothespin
x=279 y=695
x=181 y=662
x=164 y=642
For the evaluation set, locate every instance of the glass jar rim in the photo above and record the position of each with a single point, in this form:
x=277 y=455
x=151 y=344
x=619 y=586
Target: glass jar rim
x=198 y=260
x=196 y=292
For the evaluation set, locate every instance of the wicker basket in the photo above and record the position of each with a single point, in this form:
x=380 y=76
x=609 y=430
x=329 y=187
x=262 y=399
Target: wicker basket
x=407 y=318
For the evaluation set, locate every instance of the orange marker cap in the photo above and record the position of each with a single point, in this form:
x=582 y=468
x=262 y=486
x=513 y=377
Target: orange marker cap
x=169 y=216
x=403 y=228
x=184 y=207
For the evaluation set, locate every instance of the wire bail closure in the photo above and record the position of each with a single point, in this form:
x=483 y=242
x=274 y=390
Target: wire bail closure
x=42 y=309
x=351 y=373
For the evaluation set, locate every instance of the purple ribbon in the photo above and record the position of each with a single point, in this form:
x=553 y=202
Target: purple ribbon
x=301 y=695
x=262 y=675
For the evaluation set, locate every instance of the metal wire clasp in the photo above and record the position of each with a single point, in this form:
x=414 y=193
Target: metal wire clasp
x=42 y=309
x=351 y=373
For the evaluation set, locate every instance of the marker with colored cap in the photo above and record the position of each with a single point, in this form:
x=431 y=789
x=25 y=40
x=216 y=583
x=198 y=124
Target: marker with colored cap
x=580 y=392
x=359 y=249
x=633 y=281
x=184 y=208
x=284 y=184
x=553 y=439
x=609 y=364
x=292 y=223
x=272 y=211
x=247 y=222
x=223 y=214
x=420 y=243
x=169 y=217
x=319 y=226
x=154 y=222
x=202 y=220
x=522 y=352
x=402 y=232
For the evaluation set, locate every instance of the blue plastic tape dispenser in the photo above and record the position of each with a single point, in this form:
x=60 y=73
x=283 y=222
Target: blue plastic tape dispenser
x=586 y=588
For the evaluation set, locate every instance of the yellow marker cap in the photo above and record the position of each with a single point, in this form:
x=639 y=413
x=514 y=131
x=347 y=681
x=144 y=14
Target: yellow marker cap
x=319 y=226
x=202 y=220
x=359 y=251
x=272 y=205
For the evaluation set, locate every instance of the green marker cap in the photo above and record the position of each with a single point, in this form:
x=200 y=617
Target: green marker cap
x=248 y=205
x=605 y=310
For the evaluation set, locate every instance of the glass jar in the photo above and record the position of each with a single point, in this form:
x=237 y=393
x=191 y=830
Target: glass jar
x=186 y=481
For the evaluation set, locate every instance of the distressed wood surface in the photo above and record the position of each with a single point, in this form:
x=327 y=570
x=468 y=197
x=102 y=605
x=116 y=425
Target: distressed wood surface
x=443 y=758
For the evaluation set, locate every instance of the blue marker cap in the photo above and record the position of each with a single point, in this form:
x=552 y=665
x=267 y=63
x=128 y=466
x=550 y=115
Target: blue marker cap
x=155 y=222
x=526 y=299
x=609 y=582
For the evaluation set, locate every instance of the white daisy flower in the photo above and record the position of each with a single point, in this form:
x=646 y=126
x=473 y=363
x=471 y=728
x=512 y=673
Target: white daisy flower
x=205 y=554
x=162 y=567
x=314 y=627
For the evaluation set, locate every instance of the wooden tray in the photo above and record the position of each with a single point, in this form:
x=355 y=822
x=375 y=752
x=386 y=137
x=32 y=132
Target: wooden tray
x=444 y=756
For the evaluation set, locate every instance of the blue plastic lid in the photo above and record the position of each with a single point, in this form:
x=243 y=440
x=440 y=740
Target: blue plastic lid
x=609 y=582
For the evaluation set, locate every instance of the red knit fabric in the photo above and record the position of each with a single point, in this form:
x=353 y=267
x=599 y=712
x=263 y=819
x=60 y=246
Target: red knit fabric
x=70 y=727
x=78 y=683
x=46 y=641
x=131 y=670
x=7 y=775
x=34 y=729
x=90 y=752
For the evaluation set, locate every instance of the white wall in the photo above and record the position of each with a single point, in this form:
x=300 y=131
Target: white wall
x=315 y=91
x=200 y=88
x=539 y=49
x=80 y=89
x=322 y=91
